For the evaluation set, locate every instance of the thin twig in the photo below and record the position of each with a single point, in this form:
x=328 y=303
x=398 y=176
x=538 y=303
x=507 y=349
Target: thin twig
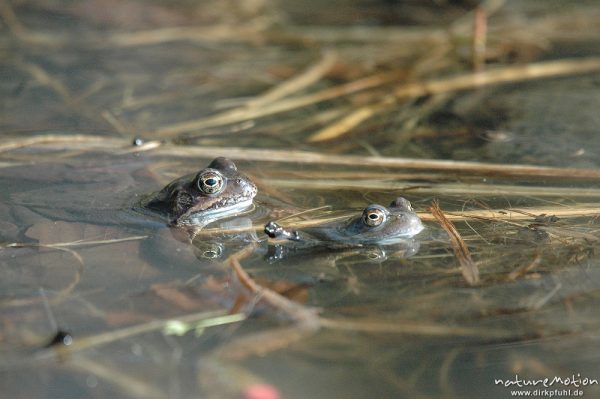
x=306 y=322
x=307 y=317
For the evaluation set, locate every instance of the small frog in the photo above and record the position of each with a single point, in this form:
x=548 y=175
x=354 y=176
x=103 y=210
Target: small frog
x=215 y=192
x=377 y=225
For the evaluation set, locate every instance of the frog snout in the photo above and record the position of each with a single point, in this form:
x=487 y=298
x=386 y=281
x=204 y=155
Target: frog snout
x=415 y=225
x=250 y=189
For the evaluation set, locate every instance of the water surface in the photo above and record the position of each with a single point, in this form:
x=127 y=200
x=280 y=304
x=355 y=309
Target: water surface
x=78 y=258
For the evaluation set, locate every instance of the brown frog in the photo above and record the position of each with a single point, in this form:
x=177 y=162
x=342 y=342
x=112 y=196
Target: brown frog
x=215 y=192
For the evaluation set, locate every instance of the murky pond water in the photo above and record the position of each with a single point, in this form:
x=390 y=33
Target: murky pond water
x=327 y=111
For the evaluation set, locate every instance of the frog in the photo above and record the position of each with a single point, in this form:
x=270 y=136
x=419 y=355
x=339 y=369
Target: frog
x=117 y=193
x=375 y=234
x=376 y=225
x=206 y=212
x=215 y=192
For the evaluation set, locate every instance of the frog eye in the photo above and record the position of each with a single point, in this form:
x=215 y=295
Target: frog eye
x=374 y=217
x=213 y=253
x=209 y=250
x=211 y=182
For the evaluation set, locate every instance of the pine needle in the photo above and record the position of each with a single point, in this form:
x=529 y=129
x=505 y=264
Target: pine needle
x=468 y=268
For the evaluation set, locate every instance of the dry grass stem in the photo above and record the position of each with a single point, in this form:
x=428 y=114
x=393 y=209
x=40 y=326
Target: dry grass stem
x=208 y=34
x=580 y=210
x=313 y=114
x=92 y=341
x=408 y=327
x=524 y=269
x=146 y=146
x=80 y=243
x=343 y=125
x=306 y=317
x=492 y=215
x=63 y=293
x=295 y=84
x=459 y=189
x=239 y=115
x=479 y=38
x=541 y=302
x=306 y=157
x=510 y=74
x=369 y=34
x=136 y=387
x=316 y=221
x=262 y=343
x=43 y=78
x=10 y=19
x=306 y=322
x=133 y=103
x=445 y=371
x=217 y=33
x=69 y=141
x=569 y=233
x=115 y=122
x=468 y=268
x=304 y=212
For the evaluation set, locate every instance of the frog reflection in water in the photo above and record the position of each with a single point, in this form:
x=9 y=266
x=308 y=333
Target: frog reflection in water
x=378 y=226
x=217 y=191
x=218 y=195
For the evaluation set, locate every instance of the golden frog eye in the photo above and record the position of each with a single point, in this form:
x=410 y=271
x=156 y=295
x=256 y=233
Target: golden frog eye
x=211 y=182
x=374 y=217
x=208 y=250
x=213 y=253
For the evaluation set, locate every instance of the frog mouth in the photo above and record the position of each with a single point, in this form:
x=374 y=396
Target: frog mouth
x=216 y=210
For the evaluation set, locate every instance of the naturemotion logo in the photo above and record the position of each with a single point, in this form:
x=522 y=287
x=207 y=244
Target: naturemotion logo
x=572 y=381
